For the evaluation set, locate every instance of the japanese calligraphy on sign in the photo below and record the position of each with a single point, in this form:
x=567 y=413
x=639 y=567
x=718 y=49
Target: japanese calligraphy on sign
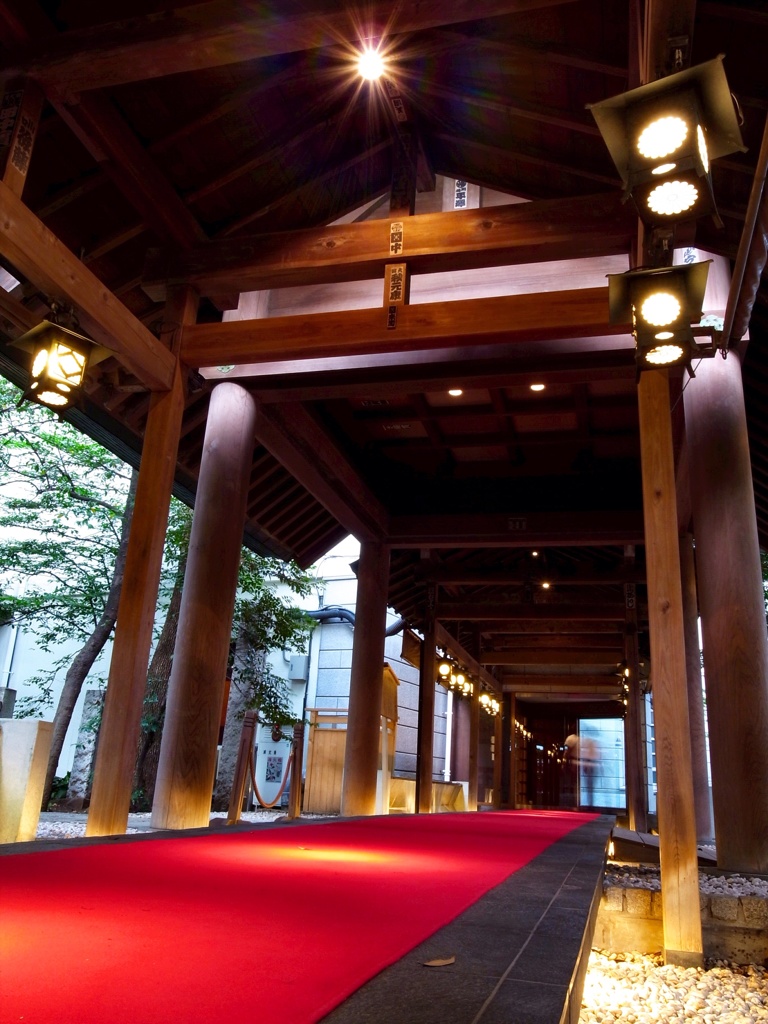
x=395 y=238
x=396 y=283
x=460 y=195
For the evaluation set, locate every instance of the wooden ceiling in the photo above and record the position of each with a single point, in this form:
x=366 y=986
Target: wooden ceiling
x=234 y=148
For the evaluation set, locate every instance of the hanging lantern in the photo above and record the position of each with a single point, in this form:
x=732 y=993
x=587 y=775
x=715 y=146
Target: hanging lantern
x=60 y=357
x=663 y=137
x=661 y=305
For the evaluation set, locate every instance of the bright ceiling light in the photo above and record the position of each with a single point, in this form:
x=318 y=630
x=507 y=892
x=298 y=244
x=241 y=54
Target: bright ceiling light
x=455 y=392
x=370 y=65
x=537 y=387
x=663 y=136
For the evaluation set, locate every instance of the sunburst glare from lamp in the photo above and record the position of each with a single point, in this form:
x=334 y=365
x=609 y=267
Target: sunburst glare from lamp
x=663 y=136
x=672 y=197
x=660 y=309
x=370 y=65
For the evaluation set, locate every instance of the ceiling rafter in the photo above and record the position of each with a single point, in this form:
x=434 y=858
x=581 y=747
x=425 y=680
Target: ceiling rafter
x=526 y=49
x=221 y=32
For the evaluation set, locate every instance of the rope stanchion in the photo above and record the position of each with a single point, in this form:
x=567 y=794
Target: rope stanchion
x=241 y=767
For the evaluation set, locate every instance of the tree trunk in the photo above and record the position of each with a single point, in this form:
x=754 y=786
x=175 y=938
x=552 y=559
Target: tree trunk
x=84 y=659
x=155 y=697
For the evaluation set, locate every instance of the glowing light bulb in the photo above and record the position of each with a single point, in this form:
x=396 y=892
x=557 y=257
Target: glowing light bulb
x=660 y=309
x=370 y=65
x=662 y=355
x=672 y=197
x=662 y=137
x=537 y=387
x=455 y=392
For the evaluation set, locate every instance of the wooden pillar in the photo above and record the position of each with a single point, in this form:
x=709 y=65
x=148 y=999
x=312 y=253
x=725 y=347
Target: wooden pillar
x=474 y=743
x=426 y=725
x=696 y=714
x=677 y=825
x=474 y=732
x=121 y=720
x=634 y=721
x=361 y=756
x=460 y=748
x=510 y=750
x=196 y=688
x=498 y=757
x=731 y=604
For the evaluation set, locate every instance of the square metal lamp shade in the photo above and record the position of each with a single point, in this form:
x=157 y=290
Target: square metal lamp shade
x=664 y=135
x=661 y=304
x=59 y=361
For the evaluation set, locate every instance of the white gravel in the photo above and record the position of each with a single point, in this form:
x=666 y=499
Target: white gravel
x=644 y=877
x=631 y=988
x=620 y=988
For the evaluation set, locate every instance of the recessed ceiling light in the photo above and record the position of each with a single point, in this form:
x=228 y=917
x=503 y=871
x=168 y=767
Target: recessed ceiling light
x=370 y=65
x=537 y=387
x=455 y=392
x=545 y=585
x=534 y=554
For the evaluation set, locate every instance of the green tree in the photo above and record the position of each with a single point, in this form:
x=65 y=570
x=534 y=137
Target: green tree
x=65 y=511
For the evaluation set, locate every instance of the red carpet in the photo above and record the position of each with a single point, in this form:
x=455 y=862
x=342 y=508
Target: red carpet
x=279 y=925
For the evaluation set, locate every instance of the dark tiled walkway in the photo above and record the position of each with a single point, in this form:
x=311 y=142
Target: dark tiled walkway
x=521 y=951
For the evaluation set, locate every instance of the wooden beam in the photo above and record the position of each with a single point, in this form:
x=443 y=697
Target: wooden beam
x=473 y=611
x=222 y=32
x=510 y=531
x=558 y=229
x=449 y=575
x=576 y=684
x=39 y=256
x=298 y=442
x=498 y=158
x=509 y=109
x=106 y=135
x=528 y=52
x=526 y=656
x=503 y=320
